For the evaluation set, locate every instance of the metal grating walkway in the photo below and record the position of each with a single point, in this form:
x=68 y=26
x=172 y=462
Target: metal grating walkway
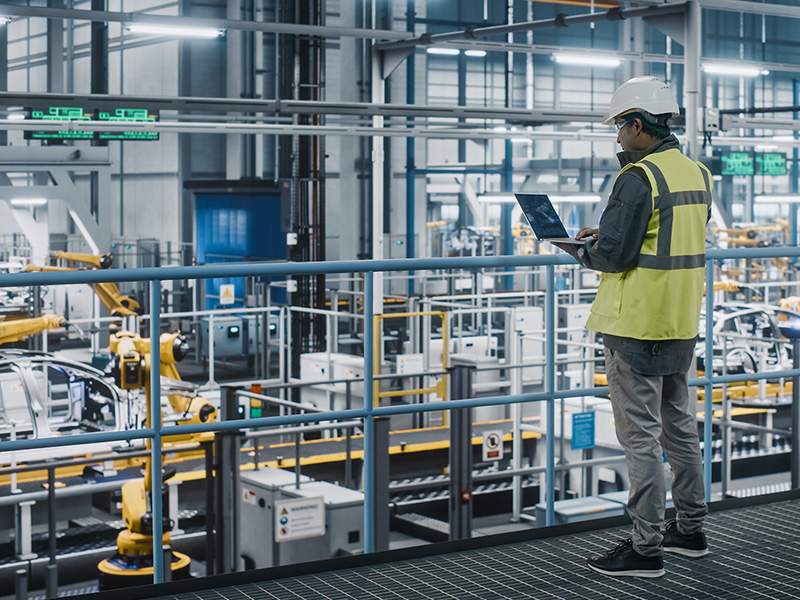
x=755 y=554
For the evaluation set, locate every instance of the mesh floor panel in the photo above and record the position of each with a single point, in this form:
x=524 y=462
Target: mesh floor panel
x=755 y=554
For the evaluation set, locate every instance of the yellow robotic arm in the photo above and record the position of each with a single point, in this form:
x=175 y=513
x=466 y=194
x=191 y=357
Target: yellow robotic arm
x=98 y=261
x=116 y=303
x=135 y=542
x=18 y=329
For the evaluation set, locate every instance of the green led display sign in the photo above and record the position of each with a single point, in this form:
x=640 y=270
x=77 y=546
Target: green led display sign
x=127 y=115
x=737 y=163
x=116 y=115
x=60 y=113
x=747 y=163
x=771 y=163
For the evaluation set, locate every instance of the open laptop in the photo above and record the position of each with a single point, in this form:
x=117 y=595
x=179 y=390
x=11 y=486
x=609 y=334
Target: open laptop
x=544 y=220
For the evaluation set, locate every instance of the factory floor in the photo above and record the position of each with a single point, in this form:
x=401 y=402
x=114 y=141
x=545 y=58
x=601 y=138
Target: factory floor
x=754 y=553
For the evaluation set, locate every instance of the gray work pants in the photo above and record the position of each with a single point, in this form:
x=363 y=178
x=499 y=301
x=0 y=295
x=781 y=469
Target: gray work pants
x=652 y=414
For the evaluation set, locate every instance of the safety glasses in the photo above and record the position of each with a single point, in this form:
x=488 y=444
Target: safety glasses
x=621 y=124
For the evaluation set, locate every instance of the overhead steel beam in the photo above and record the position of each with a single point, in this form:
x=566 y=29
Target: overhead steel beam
x=561 y=20
x=291 y=107
x=770 y=10
x=127 y=18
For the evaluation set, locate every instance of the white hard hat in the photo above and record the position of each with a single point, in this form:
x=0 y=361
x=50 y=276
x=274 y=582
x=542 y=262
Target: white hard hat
x=644 y=93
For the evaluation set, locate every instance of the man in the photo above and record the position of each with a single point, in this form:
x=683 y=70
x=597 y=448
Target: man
x=650 y=248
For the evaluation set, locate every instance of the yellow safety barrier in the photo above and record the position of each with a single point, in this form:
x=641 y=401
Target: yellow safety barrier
x=441 y=387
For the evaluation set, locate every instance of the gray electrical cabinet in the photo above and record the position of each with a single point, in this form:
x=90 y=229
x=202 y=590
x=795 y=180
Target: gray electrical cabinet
x=343 y=511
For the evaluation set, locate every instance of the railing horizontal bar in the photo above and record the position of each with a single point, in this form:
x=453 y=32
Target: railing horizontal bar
x=75 y=440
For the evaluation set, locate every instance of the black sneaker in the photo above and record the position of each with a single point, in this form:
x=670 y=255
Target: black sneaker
x=624 y=561
x=694 y=545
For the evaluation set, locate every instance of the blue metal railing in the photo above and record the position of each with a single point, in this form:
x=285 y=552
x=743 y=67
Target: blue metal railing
x=156 y=431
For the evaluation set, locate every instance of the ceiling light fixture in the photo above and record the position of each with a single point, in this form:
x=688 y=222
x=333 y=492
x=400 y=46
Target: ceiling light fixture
x=587 y=60
x=475 y=53
x=733 y=69
x=445 y=51
x=168 y=30
x=497 y=197
x=576 y=198
x=777 y=198
x=28 y=201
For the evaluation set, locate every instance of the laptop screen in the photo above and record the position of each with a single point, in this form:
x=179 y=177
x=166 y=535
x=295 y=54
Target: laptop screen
x=542 y=216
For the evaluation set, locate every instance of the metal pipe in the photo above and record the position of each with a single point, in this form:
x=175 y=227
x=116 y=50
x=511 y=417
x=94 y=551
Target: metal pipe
x=128 y=18
x=52 y=568
x=796 y=416
x=369 y=425
x=549 y=386
x=709 y=376
x=561 y=20
x=155 y=423
x=308 y=268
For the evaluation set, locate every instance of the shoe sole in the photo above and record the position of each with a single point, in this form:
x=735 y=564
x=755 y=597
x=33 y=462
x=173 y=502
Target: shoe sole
x=634 y=573
x=687 y=551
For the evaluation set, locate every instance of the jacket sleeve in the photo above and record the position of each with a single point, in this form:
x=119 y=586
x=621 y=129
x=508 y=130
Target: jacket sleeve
x=622 y=228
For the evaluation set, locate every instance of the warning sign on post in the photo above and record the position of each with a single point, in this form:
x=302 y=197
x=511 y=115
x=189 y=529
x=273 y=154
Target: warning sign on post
x=492 y=445
x=300 y=518
x=226 y=294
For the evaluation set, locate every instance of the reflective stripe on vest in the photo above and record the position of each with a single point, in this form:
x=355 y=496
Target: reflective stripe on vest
x=660 y=297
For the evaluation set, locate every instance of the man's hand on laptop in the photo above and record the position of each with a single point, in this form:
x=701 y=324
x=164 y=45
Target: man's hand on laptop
x=587 y=232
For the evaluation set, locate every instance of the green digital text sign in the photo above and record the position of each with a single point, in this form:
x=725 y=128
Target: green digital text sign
x=127 y=115
x=114 y=115
x=771 y=163
x=60 y=113
x=759 y=163
x=737 y=163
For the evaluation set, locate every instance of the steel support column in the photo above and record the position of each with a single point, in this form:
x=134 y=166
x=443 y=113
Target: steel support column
x=461 y=455
x=693 y=46
x=380 y=453
x=227 y=483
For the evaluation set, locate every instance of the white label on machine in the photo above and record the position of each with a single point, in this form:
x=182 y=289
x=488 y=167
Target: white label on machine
x=410 y=363
x=299 y=518
x=492 y=445
x=248 y=496
x=226 y=294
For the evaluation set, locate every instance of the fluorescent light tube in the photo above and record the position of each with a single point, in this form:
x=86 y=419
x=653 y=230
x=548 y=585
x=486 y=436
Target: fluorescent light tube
x=587 y=60
x=28 y=201
x=16 y=116
x=777 y=198
x=738 y=70
x=444 y=51
x=497 y=197
x=575 y=198
x=168 y=30
x=475 y=53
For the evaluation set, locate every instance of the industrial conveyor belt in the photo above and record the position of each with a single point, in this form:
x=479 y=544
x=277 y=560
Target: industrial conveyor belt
x=754 y=544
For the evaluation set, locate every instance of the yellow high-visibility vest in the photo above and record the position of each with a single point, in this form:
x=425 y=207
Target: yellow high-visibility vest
x=659 y=299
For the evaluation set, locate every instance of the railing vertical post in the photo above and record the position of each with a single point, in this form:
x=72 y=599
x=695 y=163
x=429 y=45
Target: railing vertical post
x=709 y=373
x=795 y=463
x=155 y=446
x=549 y=387
x=369 y=460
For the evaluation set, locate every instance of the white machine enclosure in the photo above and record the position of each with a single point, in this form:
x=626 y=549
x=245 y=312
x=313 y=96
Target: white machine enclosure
x=260 y=490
